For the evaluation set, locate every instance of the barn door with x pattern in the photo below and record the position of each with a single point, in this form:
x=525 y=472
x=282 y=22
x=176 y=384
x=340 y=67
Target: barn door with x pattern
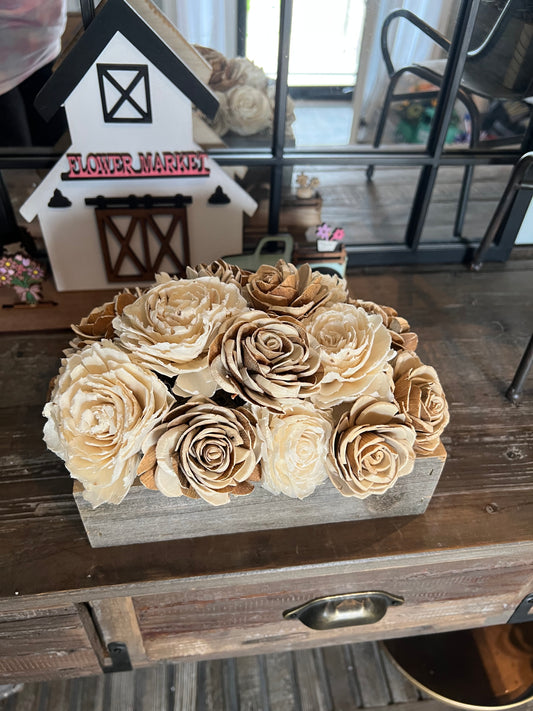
x=142 y=236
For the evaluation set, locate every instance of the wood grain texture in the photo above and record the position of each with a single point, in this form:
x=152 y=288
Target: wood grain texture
x=116 y=621
x=341 y=679
x=157 y=688
x=472 y=328
x=146 y=516
x=370 y=674
x=43 y=644
x=282 y=693
x=250 y=603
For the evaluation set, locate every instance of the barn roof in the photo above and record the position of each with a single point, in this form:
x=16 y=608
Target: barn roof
x=117 y=16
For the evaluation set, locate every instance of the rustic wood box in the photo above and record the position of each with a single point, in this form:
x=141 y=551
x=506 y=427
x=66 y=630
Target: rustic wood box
x=146 y=516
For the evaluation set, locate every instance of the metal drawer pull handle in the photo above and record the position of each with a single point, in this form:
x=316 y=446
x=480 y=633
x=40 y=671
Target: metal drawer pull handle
x=332 y=611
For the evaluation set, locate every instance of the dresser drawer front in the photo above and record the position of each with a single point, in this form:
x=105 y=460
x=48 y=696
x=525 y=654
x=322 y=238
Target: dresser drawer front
x=44 y=644
x=247 y=618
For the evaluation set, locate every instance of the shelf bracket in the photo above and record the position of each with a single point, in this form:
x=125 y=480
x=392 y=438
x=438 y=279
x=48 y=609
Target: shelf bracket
x=120 y=658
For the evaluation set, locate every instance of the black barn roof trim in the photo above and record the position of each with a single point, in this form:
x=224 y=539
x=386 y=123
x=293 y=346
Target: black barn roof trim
x=118 y=16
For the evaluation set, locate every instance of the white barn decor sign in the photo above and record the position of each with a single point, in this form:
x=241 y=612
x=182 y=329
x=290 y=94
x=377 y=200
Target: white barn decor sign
x=134 y=194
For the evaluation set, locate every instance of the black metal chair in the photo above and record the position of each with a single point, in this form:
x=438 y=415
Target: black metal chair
x=517 y=181
x=500 y=66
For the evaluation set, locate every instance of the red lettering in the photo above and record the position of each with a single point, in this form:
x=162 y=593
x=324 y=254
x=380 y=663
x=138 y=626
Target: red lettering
x=126 y=164
x=169 y=164
x=104 y=163
x=93 y=165
x=119 y=165
x=145 y=163
x=191 y=160
x=158 y=164
x=202 y=168
x=181 y=164
x=74 y=164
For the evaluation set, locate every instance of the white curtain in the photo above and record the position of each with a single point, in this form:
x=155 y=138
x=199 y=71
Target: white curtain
x=211 y=23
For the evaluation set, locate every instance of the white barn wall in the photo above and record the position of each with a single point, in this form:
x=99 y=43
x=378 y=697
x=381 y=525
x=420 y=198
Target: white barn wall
x=71 y=234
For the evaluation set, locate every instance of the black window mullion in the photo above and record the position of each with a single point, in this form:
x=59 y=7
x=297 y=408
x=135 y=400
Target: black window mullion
x=437 y=136
x=280 y=112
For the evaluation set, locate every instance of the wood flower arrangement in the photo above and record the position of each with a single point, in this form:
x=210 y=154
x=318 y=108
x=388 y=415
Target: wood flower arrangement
x=228 y=383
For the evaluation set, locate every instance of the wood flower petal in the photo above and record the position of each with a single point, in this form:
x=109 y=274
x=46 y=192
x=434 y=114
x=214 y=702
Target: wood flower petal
x=370 y=448
x=265 y=360
x=286 y=290
x=204 y=450
x=102 y=407
x=421 y=399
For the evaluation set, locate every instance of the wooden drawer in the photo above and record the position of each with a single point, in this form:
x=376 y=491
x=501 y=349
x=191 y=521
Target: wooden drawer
x=44 y=644
x=246 y=617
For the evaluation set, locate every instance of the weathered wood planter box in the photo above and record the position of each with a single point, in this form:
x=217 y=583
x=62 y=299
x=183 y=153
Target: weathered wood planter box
x=147 y=516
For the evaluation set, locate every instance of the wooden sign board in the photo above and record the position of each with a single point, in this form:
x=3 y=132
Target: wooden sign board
x=128 y=86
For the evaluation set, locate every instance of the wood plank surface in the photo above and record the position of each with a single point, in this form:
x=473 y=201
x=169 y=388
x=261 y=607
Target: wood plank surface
x=191 y=686
x=370 y=674
x=43 y=644
x=280 y=672
x=116 y=621
x=472 y=328
x=146 y=516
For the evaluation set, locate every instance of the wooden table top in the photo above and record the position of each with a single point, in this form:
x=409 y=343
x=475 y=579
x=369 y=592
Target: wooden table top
x=472 y=328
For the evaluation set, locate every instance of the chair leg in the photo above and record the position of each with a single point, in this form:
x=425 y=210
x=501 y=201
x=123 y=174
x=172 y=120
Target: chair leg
x=515 y=389
x=506 y=200
x=468 y=174
x=463 y=200
x=383 y=117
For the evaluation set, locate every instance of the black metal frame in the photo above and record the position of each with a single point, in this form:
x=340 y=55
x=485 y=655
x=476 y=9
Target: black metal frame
x=429 y=160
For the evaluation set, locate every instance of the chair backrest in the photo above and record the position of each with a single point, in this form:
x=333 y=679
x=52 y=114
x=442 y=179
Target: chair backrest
x=502 y=63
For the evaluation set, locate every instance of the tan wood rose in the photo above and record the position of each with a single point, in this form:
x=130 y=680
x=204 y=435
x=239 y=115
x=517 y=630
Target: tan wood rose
x=370 y=448
x=227 y=273
x=265 y=360
x=99 y=323
x=102 y=407
x=294 y=448
x=171 y=326
x=248 y=110
x=217 y=61
x=354 y=349
x=237 y=71
x=202 y=450
x=286 y=290
x=336 y=287
x=421 y=398
x=403 y=339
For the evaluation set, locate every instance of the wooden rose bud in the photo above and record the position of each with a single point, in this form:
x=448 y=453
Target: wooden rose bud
x=227 y=273
x=403 y=339
x=99 y=323
x=247 y=73
x=370 y=448
x=217 y=61
x=265 y=360
x=201 y=450
x=336 y=287
x=286 y=290
x=248 y=110
x=421 y=398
